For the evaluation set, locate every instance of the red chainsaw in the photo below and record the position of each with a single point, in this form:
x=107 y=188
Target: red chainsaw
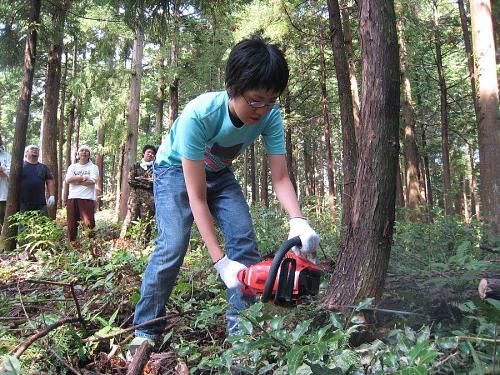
x=287 y=278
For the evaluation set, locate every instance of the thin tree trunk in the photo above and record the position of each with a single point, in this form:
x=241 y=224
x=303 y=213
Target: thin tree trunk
x=468 y=53
x=71 y=117
x=489 y=123
x=463 y=193
x=474 y=201
x=245 y=173
x=78 y=121
x=410 y=145
x=99 y=161
x=160 y=101
x=132 y=118
x=264 y=193
x=443 y=98
x=428 y=185
x=361 y=266
x=307 y=166
x=400 y=196
x=349 y=146
x=60 y=135
x=356 y=108
x=253 y=174
x=174 y=62
x=288 y=139
x=52 y=85
x=22 y=117
x=326 y=129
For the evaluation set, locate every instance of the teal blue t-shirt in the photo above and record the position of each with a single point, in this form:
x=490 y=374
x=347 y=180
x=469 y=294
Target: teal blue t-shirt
x=204 y=131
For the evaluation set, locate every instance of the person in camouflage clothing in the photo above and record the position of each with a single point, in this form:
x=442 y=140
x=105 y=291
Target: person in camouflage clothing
x=141 y=203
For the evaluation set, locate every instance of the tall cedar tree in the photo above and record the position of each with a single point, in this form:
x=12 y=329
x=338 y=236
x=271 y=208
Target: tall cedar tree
x=52 y=85
x=362 y=264
x=349 y=147
x=488 y=123
x=130 y=148
x=22 y=117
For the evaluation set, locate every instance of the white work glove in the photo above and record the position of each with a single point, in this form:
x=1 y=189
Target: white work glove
x=309 y=238
x=51 y=201
x=228 y=270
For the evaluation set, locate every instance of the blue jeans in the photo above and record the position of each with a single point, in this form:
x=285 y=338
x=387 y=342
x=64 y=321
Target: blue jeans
x=174 y=220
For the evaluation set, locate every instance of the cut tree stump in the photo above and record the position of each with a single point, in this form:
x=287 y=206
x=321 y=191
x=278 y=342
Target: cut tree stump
x=141 y=358
x=489 y=288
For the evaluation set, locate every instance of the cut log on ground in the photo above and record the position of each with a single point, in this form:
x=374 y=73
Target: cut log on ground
x=489 y=288
x=141 y=358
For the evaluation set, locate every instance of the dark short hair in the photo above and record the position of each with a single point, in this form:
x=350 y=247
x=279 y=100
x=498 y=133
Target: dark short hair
x=148 y=147
x=255 y=64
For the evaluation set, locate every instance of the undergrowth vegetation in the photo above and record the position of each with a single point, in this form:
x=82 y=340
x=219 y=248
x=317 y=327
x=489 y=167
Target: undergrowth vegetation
x=430 y=320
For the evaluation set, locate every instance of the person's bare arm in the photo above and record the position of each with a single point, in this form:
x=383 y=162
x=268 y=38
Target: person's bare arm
x=194 y=175
x=51 y=186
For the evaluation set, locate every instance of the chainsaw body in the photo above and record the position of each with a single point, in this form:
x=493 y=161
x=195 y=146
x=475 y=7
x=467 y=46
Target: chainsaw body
x=287 y=279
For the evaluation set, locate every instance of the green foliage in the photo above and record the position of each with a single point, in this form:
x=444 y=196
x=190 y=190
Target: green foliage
x=270 y=342
x=444 y=243
x=37 y=233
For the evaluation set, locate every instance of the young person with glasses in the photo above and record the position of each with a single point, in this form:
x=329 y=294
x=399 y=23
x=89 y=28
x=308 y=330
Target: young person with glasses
x=193 y=181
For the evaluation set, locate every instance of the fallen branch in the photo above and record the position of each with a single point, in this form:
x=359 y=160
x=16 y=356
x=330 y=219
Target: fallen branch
x=489 y=248
x=477 y=338
x=30 y=340
x=63 y=362
x=49 y=282
x=78 y=310
x=129 y=329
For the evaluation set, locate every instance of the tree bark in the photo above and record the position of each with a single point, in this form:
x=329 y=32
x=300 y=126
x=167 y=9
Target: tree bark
x=253 y=174
x=443 y=98
x=469 y=55
x=52 y=85
x=288 y=139
x=141 y=358
x=160 y=101
x=400 y=196
x=326 y=129
x=264 y=193
x=361 y=266
x=489 y=123
x=132 y=116
x=60 y=135
x=22 y=117
x=349 y=146
x=410 y=145
x=71 y=117
x=99 y=161
x=427 y=171
x=474 y=199
x=356 y=108
x=245 y=173
x=174 y=62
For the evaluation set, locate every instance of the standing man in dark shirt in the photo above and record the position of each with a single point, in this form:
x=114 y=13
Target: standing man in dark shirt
x=36 y=176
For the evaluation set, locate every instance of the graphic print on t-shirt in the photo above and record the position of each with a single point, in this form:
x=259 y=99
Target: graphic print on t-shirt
x=219 y=157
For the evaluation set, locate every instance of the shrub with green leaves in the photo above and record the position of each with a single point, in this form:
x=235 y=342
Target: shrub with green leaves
x=37 y=232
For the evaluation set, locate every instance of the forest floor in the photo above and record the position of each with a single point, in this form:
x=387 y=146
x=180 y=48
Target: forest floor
x=31 y=293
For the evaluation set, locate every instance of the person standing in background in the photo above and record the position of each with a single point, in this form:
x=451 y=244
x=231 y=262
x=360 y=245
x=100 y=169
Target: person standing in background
x=82 y=178
x=35 y=177
x=141 y=203
x=4 y=179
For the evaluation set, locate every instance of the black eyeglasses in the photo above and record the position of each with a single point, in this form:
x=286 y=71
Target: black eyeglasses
x=259 y=104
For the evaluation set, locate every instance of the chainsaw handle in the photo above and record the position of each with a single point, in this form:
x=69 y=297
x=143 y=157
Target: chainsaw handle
x=273 y=270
